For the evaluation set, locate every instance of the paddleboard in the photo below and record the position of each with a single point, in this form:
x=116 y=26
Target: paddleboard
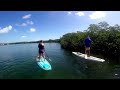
x=43 y=63
x=88 y=58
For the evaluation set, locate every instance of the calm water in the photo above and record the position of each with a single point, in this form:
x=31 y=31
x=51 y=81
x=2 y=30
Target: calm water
x=18 y=62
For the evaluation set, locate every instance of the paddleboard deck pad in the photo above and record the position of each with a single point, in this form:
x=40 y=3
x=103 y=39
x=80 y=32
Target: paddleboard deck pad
x=88 y=58
x=43 y=63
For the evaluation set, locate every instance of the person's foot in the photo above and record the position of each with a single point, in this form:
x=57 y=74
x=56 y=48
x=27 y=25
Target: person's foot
x=88 y=55
x=37 y=59
x=44 y=59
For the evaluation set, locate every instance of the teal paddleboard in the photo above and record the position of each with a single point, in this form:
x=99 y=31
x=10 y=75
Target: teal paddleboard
x=44 y=64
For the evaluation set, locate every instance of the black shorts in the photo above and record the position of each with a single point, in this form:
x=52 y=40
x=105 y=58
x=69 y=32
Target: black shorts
x=41 y=52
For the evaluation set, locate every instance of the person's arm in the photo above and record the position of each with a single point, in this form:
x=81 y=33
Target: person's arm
x=90 y=40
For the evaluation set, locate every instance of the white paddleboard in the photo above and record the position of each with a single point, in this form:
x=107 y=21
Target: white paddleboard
x=88 y=58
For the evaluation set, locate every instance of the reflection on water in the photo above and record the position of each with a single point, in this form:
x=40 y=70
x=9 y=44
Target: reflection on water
x=18 y=62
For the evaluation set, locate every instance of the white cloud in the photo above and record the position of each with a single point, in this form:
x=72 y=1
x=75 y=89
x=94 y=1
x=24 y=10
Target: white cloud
x=69 y=13
x=26 y=16
x=32 y=30
x=6 y=29
x=30 y=22
x=80 y=14
x=97 y=15
x=23 y=36
x=26 y=23
x=23 y=24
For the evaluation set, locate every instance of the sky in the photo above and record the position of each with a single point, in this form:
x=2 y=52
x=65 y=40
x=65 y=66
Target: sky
x=17 y=26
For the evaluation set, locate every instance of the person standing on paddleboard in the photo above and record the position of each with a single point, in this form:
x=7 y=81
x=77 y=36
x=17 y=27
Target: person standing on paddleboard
x=41 y=49
x=87 y=42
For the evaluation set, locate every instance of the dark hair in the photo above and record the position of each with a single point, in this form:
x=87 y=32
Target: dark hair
x=41 y=41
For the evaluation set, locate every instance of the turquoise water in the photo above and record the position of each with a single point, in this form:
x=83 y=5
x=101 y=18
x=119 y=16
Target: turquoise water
x=19 y=62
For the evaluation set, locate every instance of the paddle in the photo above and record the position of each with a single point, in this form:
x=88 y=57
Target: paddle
x=48 y=56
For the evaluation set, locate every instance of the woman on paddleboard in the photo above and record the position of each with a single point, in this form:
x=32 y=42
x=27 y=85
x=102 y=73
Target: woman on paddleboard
x=41 y=49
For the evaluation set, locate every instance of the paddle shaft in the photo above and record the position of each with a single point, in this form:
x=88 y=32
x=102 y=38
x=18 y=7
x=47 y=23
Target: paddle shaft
x=47 y=55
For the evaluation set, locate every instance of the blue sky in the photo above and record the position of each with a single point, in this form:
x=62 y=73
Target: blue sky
x=17 y=26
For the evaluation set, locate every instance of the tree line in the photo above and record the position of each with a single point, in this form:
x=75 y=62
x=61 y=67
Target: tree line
x=105 y=40
x=25 y=42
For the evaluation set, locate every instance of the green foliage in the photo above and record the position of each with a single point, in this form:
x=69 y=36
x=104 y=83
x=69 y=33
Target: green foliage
x=72 y=41
x=51 y=41
x=105 y=39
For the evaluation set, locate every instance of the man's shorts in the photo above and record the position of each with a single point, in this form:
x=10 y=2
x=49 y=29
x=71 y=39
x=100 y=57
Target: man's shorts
x=41 y=52
x=87 y=48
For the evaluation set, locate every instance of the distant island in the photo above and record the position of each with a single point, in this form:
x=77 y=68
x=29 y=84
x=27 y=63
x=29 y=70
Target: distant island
x=25 y=42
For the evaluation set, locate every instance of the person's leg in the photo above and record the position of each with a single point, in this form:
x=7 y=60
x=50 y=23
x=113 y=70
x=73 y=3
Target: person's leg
x=42 y=55
x=85 y=50
x=88 y=52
